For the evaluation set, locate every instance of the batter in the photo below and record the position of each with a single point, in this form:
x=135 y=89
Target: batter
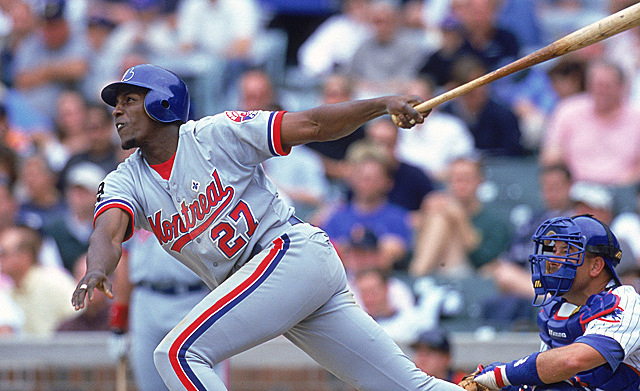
x=200 y=188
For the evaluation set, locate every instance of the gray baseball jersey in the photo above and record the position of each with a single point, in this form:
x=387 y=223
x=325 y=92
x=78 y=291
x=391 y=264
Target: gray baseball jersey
x=220 y=215
x=217 y=204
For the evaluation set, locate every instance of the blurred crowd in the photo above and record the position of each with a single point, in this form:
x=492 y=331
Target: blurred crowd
x=421 y=244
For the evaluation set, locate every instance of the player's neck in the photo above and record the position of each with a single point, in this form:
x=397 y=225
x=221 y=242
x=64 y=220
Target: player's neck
x=161 y=148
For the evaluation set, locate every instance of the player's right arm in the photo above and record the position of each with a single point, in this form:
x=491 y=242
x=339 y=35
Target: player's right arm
x=105 y=250
x=333 y=121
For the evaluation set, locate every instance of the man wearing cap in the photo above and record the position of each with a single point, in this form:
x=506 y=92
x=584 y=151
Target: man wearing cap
x=50 y=60
x=71 y=232
x=432 y=354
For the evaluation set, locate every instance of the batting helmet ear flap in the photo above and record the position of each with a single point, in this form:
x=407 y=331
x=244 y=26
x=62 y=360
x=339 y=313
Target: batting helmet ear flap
x=162 y=107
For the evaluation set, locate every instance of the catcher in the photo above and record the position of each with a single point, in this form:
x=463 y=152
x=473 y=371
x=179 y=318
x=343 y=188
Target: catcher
x=589 y=322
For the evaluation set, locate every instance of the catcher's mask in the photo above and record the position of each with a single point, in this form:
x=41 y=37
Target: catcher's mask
x=167 y=99
x=560 y=245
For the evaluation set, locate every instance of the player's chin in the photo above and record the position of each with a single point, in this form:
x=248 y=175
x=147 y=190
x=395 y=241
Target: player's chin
x=129 y=144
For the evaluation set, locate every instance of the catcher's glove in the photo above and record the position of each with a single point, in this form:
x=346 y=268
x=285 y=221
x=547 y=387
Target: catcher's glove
x=469 y=384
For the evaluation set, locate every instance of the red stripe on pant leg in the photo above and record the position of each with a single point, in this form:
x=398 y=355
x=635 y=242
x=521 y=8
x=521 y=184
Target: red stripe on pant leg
x=177 y=344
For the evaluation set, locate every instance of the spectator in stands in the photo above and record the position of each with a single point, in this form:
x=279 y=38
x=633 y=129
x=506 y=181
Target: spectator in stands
x=362 y=252
x=432 y=355
x=458 y=233
x=102 y=148
x=11 y=315
x=71 y=233
x=385 y=62
x=41 y=201
x=370 y=181
x=42 y=292
x=93 y=317
x=300 y=178
x=372 y=286
x=494 y=126
x=568 y=76
x=150 y=31
x=336 y=88
x=256 y=91
x=104 y=54
x=23 y=24
x=410 y=183
x=70 y=136
x=326 y=51
x=223 y=29
x=434 y=144
x=494 y=45
x=437 y=65
x=50 y=60
x=597 y=134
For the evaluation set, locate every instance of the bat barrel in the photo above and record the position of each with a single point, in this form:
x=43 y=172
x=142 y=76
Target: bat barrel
x=593 y=33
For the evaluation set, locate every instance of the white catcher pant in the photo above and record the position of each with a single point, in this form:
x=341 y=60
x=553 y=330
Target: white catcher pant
x=296 y=287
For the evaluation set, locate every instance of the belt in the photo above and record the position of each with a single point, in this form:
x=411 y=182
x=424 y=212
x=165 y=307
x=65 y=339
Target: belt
x=293 y=220
x=171 y=288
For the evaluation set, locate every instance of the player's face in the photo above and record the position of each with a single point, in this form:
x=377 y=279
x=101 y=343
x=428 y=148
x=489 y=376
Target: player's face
x=560 y=249
x=133 y=124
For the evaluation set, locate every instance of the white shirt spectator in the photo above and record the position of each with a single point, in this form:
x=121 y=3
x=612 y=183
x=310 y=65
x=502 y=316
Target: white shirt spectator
x=327 y=49
x=434 y=144
x=214 y=25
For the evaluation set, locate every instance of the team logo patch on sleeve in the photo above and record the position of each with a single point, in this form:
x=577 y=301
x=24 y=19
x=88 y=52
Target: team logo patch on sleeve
x=241 y=116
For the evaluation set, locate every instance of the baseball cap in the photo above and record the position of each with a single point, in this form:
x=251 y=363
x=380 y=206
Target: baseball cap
x=437 y=339
x=363 y=238
x=87 y=175
x=53 y=9
x=591 y=194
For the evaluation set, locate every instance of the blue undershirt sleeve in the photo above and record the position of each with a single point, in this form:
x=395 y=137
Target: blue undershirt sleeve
x=607 y=346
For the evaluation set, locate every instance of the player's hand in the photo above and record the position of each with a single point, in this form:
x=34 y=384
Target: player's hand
x=402 y=110
x=493 y=376
x=92 y=280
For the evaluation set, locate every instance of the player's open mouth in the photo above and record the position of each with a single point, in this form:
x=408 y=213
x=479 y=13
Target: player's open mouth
x=119 y=126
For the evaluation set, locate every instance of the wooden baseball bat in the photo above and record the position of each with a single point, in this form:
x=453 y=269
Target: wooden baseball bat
x=595 y=32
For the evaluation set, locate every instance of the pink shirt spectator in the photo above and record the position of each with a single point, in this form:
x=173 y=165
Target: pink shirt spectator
x=602 y=149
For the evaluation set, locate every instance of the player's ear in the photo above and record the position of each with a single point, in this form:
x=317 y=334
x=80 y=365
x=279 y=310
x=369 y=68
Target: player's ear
x=596 y=266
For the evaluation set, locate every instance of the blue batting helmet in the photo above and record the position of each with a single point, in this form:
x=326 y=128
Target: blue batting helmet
x=167 y=99
x=582 y=234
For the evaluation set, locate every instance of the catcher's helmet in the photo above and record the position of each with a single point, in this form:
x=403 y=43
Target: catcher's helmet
x=582 y=234
x=167 y=99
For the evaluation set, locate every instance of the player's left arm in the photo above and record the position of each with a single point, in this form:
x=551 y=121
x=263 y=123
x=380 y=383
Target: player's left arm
x=551 y=366
x=333 y=121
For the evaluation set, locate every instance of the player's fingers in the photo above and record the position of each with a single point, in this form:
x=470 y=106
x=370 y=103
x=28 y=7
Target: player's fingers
x=78 y=297
x=107 y=288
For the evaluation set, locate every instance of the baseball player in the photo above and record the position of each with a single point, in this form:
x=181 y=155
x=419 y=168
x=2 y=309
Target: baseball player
x=198 y=186
x=588 y=321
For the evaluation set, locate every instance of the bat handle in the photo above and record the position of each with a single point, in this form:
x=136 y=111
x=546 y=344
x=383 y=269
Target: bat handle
x=423 y=108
